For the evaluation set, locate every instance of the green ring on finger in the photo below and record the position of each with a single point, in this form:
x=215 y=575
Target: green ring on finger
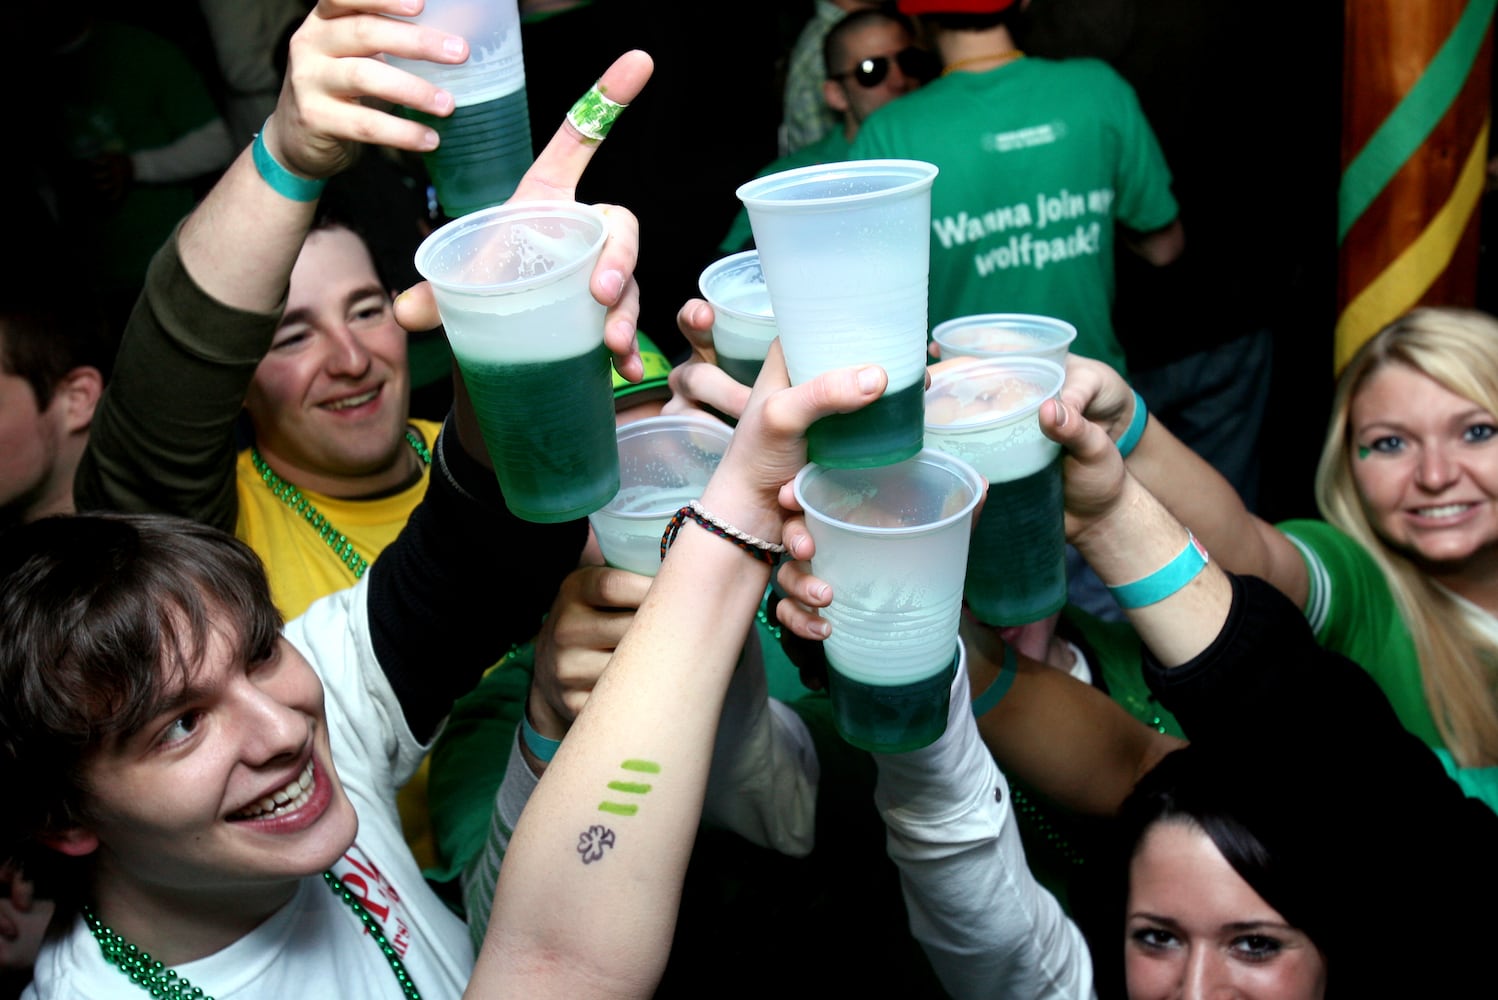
x=594 y=114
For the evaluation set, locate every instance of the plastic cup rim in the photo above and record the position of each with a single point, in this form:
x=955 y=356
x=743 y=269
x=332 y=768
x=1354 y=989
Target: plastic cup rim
x=1066 y=330
x=725 y=264
x=930 y=456
x=517 y=210
x=919 y=174
x=662 y=421
x=1015 y=359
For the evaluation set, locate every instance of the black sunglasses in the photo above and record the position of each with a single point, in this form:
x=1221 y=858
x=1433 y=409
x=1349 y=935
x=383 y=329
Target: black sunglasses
x=871 y=72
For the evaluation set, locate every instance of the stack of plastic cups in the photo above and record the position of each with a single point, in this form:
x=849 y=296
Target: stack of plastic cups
x=485 y=143
x=845 y=249
x=986 y=411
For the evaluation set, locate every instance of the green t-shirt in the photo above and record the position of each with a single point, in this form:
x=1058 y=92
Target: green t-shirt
x=1352 y=611
x=126 y=90
x=1038 y=160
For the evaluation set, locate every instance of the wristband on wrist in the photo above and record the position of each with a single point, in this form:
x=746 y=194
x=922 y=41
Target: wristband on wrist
x=1166 y=580
x=759 y=548
x=1135 y=430
x=1002 y=682
x=283 y=181
x=542 y=747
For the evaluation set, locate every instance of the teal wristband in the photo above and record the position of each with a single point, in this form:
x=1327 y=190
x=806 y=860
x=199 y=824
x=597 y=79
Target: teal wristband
x=543 y=747
x=1135 y=430
x=1001 y=684
x=283 y=181
x=1166 y=580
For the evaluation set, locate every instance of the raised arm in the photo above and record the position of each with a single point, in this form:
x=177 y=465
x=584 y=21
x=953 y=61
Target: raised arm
x=1188 y=487
x=1129 y=537
x=588 y=895
x=419 y=594
x=1064 y=738
x=215 y=291
x=163 y=436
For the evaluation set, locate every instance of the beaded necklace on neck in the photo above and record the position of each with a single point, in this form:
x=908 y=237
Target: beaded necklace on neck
x=1013 y=55
x=159 y=981
x=318 y=522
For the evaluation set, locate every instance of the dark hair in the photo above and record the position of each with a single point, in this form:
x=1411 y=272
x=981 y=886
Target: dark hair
x=99 y=615
x=44 y=335
x=832 y=46
x=1205 y=788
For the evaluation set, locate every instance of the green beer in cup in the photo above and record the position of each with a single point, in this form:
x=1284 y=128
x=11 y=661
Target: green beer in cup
x=986 y=412
x=511 y=284
x=892 y=541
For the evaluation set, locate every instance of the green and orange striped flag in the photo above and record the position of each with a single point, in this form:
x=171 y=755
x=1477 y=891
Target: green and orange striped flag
x=1414 y=152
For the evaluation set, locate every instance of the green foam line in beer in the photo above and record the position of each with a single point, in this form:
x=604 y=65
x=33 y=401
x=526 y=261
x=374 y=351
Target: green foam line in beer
x=1401 y=134
x=594 y=114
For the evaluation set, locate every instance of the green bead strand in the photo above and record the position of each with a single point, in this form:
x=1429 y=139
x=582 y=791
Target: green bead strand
x=293 y=498
x=153 y=977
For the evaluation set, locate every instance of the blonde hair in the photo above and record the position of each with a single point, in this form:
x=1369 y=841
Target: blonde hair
x=1458 y=659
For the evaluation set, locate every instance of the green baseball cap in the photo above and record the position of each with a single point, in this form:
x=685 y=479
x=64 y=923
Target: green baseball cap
x=653 y=385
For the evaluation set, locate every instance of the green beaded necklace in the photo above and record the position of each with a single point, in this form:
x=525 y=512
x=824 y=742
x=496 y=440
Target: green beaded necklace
x=159 y=981
x=299 y=504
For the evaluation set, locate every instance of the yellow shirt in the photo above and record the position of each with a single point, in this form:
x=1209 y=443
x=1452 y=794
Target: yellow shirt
x=301 y=566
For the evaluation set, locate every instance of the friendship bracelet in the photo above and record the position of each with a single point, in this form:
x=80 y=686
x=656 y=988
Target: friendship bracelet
x=1002 y=682
x=1166 y=580
x=593 y=114
x=1135 y=430
x=543 y=747
x=282 y=181
x=757 y=547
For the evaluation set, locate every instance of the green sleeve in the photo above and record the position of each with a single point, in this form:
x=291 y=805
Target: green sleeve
x=1144 y=200
x=1353 y=612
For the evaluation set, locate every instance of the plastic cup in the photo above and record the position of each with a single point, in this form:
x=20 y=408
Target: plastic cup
x=892 y=541
x=511 y=284
x=987 y=413
x=664 y=462
x=1000 y=335
x=485 y=144
x=846 y=251
x=743 y=322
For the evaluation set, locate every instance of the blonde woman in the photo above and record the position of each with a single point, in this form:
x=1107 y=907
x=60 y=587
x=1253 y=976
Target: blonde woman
x=1402 y=576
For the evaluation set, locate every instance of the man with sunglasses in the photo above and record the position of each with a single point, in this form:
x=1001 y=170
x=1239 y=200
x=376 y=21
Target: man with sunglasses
x=804 y=118
x=870 y=58
x=1039 y=161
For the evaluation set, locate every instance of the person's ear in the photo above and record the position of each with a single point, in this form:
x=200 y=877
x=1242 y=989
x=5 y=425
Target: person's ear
x=835 y=96
x=74 y=841
x=79 y=393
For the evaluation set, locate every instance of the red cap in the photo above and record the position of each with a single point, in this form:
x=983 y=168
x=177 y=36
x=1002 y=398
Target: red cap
x=954 y=6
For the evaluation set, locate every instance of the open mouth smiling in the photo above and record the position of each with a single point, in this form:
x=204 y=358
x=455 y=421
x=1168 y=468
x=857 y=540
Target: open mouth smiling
x=349 y=402
x=289 y=799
